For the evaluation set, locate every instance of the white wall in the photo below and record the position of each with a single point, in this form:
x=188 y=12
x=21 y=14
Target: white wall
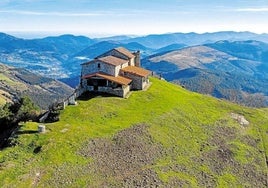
x=132 y=61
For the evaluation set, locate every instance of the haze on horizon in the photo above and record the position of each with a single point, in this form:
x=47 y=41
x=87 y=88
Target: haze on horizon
x=140 y=17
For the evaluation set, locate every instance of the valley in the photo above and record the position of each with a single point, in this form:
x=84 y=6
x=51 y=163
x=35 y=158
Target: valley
x=17 y=82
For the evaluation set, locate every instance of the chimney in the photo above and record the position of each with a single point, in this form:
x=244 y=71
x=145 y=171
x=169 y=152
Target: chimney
x=137 y=58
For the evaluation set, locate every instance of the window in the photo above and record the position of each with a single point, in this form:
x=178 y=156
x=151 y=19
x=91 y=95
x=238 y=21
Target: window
x=98 y=65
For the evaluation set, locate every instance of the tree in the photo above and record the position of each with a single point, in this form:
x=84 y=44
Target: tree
x=22 y=110
x=27 y=110
x=5 y=116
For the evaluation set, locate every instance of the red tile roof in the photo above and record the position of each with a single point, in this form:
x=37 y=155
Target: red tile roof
x=125 y=52
x=112 y=60
x=136 y=70
x=119 y=79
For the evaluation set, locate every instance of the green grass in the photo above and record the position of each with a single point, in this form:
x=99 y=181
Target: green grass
x=2 y=100
x=183 y=122
x=228 y=180
x=11 y=83
x=6 y=79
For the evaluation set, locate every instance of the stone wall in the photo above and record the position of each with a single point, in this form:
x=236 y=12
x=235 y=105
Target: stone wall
x=145 y=82
x=79 y=91
x=116 y=70
x=136 y=80
x=126 y=90
x=124 y=65
x=121 y=92
x=132 y=62
x=93 y=67
x=85 y=87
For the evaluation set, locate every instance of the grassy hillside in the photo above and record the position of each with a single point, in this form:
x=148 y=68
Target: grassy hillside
x=195 y=56
x=166 y=136
x=4 y=97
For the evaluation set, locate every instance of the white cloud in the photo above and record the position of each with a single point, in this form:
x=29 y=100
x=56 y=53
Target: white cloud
x=264 y=9
x=63 y=14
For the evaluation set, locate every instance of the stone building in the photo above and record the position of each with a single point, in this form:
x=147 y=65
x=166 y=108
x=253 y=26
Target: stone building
x=115 y=72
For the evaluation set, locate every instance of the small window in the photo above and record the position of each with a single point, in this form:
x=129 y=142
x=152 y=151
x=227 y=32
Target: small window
x=98 y=65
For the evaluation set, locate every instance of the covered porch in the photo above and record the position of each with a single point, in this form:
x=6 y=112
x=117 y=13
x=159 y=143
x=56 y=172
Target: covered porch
x=100 y=82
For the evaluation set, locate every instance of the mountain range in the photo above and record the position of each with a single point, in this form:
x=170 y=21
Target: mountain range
x=46 y=56
x=229 y=63
x=190 y=39
x=233 y=70
x=61 y=56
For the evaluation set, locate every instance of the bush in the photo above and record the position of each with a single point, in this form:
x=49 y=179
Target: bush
x=5 y=116
x=27 y=110
x=12 y=113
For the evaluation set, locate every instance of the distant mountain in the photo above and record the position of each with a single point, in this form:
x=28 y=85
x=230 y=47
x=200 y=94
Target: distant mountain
x=252 y=50
x=99 y=48
x=222 y=69
x=10 y=44
x=67 y=44
x=60 y=57
x=249 y=50
x=196 y=56
x=96 y=49
x=162 y=40
x=170 y=47
x=114 y=38
x=17 y=82
x=47 y=56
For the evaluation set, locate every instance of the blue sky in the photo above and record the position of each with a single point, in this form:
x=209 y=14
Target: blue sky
x=139 y=17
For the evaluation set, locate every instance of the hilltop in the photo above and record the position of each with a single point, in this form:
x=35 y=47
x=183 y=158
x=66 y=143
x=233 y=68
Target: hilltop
x=17 y=82
x=165 y=136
